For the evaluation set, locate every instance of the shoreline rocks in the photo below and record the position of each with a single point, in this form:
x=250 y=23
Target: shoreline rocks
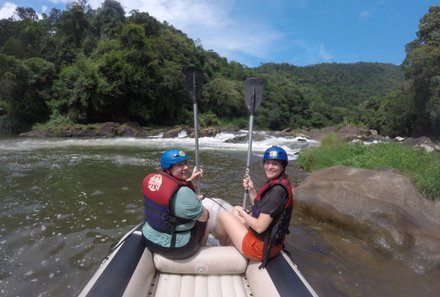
x=381 y=207
x=114 y=129
x=357 y=134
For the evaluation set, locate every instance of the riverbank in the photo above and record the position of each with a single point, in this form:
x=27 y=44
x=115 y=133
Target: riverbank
x=132 y=129
x=359 y=134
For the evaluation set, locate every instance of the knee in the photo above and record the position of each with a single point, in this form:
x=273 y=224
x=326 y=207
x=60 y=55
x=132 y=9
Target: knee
x=223 y=215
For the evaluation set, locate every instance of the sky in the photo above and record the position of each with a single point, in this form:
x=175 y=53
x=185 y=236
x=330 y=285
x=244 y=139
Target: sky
x=297 y=32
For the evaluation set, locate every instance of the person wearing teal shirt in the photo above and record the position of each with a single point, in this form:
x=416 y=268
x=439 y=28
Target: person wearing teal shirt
x=175 y=219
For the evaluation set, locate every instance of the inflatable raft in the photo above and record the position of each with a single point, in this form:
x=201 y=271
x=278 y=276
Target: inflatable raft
x=132 y=270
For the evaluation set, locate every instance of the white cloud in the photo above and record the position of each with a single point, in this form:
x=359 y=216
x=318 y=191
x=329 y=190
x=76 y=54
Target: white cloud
x=306 y=53
x=324 y=54
x=245 y=37
x=180 y=13
x=7 y=10
x=61 y=1
x=211 y=22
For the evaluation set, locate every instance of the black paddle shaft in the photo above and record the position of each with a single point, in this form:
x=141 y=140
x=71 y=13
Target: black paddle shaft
x=253 y=90
x=194 y=83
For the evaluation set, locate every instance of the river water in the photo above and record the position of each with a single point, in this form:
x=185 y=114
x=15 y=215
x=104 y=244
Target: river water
x=63 y=202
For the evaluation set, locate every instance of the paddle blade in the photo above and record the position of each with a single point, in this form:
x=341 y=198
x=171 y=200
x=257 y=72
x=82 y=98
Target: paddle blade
x=253 y=93
x=194 y=82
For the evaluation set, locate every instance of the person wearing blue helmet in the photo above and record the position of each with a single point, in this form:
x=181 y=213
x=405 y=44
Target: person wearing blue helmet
x=259 y=234
x=175 y=219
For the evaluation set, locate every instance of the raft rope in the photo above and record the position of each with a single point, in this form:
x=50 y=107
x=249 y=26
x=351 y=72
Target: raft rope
x=216 y=202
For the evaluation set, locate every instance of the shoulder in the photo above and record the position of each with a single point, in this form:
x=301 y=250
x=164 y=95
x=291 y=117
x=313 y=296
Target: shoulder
x=278 y=189
x=186 y=203
x=185 y=191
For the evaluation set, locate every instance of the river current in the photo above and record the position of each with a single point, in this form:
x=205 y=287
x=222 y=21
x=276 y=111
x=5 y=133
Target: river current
x=64 y=202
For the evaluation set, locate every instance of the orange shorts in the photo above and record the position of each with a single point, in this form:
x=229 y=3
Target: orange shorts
x=252 y=247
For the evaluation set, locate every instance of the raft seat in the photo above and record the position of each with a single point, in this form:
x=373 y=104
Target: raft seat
x=178 y=285
x=212 y=272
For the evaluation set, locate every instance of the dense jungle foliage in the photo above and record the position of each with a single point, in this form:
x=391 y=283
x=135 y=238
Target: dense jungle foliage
x=84 y=66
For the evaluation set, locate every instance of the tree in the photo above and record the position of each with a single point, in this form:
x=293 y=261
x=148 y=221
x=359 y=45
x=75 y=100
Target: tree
x=26 y=13
x=284 y=105
x=422 y=68
x=24 y=86
x=224 y=97
x=75 y=92
x=152 y=26
x=72 y=29
x=22 y=38
x=109 y=18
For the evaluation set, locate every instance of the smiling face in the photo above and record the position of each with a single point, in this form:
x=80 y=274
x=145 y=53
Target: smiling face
x=180 y=170
x=273 y=169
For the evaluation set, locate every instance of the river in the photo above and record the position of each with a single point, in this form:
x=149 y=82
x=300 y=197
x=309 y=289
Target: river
x=64 y=202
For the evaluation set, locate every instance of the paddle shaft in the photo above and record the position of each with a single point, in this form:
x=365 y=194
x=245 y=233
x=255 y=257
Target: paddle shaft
x=196 y=132
x=248 y=160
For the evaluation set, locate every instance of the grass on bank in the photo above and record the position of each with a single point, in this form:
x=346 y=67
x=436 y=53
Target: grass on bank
x=421 y=167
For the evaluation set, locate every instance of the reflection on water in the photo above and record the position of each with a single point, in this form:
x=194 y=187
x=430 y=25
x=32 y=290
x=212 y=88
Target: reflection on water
x=339 y=264
x=63 y=203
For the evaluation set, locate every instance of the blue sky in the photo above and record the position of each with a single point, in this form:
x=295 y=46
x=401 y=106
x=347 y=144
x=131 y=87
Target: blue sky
x=298 y=32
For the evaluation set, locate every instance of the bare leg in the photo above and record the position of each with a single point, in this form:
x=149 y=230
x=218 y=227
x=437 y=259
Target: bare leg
x=215 y=206
x=222 y=235
x=234 y=228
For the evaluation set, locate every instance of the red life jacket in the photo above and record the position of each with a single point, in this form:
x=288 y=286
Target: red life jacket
x=277 y=230
x=159 y=189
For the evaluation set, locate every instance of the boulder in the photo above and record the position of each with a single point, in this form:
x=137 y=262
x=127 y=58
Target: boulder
x=417 y=141
x=317 y=134
x=245 y=138
x=349 y=133
x=380 y=206
x=206 y=132
x=131 y=129
x=108 y=129
x=35 y=133
x=174 y=132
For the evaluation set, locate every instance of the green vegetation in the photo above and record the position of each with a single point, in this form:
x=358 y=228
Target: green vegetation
x=423 y=168
x=83 y=66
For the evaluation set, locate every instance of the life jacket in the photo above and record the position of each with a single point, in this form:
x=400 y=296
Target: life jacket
x=277 y=230
x=159 y=189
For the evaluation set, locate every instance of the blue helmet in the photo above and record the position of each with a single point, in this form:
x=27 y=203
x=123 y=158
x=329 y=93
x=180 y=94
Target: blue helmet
x=276 y=153
x=171 y=157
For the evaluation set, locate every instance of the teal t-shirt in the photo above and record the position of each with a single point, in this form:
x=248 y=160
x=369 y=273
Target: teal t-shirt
x=187 y=206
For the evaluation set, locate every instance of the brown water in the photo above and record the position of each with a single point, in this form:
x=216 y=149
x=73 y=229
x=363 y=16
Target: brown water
x=64 y=202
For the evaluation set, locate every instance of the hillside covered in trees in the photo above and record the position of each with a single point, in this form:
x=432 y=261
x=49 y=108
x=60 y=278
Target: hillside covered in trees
x=86 y=66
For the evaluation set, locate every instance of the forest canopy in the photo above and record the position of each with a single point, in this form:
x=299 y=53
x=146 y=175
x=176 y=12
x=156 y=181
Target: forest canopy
x=85 y=66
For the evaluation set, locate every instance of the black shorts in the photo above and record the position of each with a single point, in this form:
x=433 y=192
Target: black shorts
x=186 y=251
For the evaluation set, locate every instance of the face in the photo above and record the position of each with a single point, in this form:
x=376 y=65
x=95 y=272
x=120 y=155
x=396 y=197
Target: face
x=273 y=169
x=180 y=170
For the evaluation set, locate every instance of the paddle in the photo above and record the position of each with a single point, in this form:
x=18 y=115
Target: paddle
x=194 y=82
x=253 y=89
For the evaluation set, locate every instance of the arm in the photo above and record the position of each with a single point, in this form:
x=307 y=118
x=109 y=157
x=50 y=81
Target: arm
x=248 y=186
x=259 y=224
x=197 y=174
x=187 y=205
x=273 y=203
x=204 y=216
